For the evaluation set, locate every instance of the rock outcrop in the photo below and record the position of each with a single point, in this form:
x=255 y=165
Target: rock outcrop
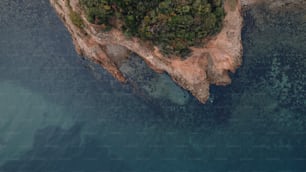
x=208 y=64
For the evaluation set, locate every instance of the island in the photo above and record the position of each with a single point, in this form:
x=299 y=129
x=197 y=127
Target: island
x=196 y=42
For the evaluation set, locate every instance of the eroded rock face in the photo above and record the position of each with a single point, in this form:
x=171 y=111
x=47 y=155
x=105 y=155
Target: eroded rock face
x=206 y=65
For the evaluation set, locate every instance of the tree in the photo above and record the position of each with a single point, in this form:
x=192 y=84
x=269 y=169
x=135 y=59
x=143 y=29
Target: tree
x=173 y=25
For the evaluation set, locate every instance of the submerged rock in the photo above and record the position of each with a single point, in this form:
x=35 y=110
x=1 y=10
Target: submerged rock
x=156 y=86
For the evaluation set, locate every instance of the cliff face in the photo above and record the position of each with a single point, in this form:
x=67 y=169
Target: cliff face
x=206 y=65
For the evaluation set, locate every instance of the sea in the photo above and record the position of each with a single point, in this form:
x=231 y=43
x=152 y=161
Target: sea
x=60 y=112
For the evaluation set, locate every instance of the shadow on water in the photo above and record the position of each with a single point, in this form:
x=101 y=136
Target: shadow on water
x=61 y=150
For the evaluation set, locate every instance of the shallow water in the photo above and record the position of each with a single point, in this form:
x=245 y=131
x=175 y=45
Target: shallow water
x=62 y=113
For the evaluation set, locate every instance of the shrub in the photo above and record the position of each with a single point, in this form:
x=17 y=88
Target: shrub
x=76 y=19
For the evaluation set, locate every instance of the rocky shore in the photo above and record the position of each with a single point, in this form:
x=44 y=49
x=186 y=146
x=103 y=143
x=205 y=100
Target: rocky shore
x=206 y=65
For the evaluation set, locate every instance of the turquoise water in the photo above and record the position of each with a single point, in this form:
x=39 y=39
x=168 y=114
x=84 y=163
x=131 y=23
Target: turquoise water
x=62 y=113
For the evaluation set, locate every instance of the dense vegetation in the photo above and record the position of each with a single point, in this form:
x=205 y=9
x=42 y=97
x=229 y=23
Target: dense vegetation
x=173 y=25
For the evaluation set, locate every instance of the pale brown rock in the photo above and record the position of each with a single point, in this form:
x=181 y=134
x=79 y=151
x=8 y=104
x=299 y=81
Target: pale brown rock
x=206 y=65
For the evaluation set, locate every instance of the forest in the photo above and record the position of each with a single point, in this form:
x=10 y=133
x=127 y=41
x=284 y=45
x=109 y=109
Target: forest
x=172 y=25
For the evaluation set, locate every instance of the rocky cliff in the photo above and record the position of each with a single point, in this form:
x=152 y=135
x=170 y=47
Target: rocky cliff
x=207 y=64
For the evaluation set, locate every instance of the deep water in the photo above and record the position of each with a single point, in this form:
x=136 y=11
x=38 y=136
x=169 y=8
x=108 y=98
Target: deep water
x=60 y=112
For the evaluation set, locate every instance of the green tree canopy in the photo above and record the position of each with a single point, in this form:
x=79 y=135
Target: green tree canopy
x=173 y=25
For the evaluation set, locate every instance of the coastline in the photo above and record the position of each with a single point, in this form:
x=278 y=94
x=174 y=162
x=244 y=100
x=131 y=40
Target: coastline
x=206 y=65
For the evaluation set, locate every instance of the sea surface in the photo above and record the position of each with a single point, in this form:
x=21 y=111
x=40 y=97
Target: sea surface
x=60 y=112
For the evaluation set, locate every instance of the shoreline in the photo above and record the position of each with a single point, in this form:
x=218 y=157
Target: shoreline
x=206 y=65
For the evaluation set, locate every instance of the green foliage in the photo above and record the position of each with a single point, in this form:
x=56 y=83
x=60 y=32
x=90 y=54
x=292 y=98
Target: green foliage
x=76 y=19
x=97 y=11
x=173 y=25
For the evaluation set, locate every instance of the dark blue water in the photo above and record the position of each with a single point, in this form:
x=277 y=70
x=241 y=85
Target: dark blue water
x=59 y=112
